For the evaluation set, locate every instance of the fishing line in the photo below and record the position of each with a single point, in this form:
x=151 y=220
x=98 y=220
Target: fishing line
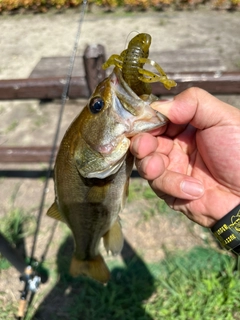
x=54 y=145
x=29 y=277
x=127 y=41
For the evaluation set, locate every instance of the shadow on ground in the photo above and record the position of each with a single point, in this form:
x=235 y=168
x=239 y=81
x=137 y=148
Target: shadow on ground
x=83 y=298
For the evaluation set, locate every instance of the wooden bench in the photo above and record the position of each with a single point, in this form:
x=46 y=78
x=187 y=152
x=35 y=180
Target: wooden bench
x=188 y=67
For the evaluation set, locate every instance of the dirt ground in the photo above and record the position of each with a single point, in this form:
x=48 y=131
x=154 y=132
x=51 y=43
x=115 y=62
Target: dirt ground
x=27 y=38
x=24 y=40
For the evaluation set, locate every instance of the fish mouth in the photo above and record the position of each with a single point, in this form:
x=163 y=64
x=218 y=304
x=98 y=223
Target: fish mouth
x=129 y=101
x=132 y=111
x=127 y=115
x=132 y=115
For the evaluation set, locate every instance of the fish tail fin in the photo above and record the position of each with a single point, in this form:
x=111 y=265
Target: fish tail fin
x=95 y=268
x=113 y=239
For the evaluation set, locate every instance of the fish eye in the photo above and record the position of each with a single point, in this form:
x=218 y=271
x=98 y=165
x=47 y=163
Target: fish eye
x=96 y=105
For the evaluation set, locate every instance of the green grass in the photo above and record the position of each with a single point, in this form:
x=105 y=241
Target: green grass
x=198 y=285
x=12 y=126
x=8 y=311
x=201 y=284
x=237 y=64
x=15 y=227
x=151 y=205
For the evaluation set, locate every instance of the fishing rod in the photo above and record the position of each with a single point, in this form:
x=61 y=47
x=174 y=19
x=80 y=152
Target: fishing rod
x=30 y=279
x=33 y=274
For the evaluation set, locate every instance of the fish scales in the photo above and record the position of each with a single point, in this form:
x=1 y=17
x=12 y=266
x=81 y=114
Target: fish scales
x=92 y=170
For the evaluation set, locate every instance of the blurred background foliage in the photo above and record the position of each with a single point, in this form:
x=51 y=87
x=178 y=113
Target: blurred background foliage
x=42 y=6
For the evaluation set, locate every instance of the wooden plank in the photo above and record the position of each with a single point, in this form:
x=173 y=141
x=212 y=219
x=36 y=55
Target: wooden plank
x=26 y=154
x=51 y=67
x=30 y=154
x=93 y=58
x=42 y=88
x=214 y=83
x=48 y=78
x=51 y=88
x=189 y=60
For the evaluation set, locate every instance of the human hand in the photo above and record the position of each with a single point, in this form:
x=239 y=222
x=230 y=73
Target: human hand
x=193 y=163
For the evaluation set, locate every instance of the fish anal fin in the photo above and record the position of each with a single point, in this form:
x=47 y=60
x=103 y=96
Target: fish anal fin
x=113 y=239
x=95 y=268
x=54 y=213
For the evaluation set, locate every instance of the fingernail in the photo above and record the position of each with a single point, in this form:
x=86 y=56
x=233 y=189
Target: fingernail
x=160 y=103
x=161 y=106
x=191 y=188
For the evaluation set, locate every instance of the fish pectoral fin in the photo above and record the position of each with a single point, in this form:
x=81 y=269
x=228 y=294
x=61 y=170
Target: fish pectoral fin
x=54 y=213
x=95 y=268
x=113 y=239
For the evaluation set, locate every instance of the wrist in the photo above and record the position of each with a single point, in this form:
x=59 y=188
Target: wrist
x=227 y=230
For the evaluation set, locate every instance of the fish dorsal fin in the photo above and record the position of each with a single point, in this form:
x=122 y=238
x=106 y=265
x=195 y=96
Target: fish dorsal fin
x=113 y=239
x=54 y=213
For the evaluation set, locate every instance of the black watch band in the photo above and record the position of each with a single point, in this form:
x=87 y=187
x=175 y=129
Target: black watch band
x=227 y=230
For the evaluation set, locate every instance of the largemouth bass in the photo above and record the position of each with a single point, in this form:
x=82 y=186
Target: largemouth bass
x=92 y=171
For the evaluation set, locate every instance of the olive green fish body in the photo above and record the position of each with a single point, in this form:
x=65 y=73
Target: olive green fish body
x=90 y=207
x=92 y=171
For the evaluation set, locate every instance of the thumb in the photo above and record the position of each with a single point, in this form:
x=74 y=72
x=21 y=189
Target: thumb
x=197 y=107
